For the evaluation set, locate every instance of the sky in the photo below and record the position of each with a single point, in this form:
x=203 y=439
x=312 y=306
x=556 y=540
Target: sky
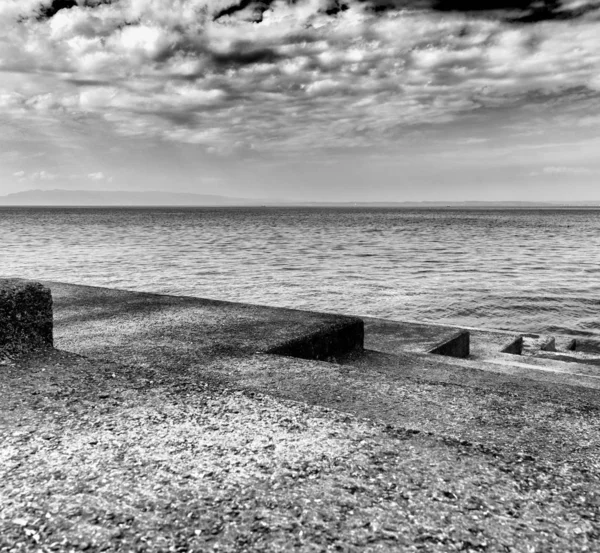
x=309 y=100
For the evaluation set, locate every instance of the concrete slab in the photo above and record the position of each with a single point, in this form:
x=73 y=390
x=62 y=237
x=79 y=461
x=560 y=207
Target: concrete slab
x=403 y=336
x=125 y=326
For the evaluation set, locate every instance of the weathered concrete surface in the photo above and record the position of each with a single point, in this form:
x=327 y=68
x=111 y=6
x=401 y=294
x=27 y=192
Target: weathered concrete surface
x=25 y=317
x=146 y=330
x=514 y=346
x=233 y=344
x=133 y=327
x=585 y=345
x=404 y=348
x=453 y=435
x=456 y=345
x=401 y=337
x=549 y=344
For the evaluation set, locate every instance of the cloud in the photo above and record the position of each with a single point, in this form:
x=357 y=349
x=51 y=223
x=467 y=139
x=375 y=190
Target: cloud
x=521 y=11
x=287 y=77
x=42 y=175
x=96 y=176
x=563 y=170
x=19 y=174
x=560 y=170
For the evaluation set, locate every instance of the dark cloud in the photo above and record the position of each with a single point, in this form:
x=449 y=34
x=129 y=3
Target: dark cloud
x=520 y=11
x=548 y=12
x=48 y=11
x=257 y=9
x=515 y=11
x=494 y=5
x=88 y=82
x=244 y=54
x=511 y=11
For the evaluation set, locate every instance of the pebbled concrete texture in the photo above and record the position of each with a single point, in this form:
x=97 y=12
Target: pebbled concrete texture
x=264 y=349
x=133 y=327
x=187 y=407
x=141 y=329
x=214 y=337
x=25 y=317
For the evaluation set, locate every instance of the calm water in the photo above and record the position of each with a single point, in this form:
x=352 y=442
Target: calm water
x=535 y=270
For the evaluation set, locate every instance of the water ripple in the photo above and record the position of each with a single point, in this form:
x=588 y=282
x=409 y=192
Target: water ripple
x=517 y=269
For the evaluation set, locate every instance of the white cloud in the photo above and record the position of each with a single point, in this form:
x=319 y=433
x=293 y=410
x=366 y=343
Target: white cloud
x=562 y=170
x=19 y=174
x=96 y=176
x=42 y=175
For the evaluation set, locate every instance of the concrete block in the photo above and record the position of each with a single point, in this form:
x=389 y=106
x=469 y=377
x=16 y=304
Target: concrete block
x=324 y=345
x=25 y=317
x=548 y=345
x=514 y=347
x=585 y=345
x=457 y=345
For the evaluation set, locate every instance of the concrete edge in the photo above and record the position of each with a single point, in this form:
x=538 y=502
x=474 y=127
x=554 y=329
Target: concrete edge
x=206 y=301
x=456 y=345
x=326 y=343
x=514 y=346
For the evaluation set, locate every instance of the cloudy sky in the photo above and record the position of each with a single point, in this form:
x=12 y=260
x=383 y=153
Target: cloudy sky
x=307 y=99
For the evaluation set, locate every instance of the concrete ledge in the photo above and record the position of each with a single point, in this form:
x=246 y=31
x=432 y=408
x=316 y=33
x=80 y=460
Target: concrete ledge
x=457 y=345
x=25 y=317
x=325 y=344
x=584 y=345
x=514 y=347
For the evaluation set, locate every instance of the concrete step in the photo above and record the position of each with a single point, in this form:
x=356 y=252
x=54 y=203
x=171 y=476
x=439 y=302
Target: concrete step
x=487 y=373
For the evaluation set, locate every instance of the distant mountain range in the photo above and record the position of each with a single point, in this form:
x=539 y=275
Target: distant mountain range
x=113 y=198
x=116 y=198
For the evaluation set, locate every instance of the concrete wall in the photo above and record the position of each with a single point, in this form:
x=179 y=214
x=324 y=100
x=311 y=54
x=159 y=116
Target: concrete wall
x=25 y=317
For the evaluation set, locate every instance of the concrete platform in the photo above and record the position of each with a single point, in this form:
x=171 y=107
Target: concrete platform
x=124 y=326
x=149 y=329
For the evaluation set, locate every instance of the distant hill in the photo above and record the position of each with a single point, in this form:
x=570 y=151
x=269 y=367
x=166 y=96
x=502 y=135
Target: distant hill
x=89 y=198
x=116 y=198
x=462 y=205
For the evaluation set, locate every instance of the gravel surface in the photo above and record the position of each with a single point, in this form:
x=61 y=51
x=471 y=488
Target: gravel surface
x=102 y=457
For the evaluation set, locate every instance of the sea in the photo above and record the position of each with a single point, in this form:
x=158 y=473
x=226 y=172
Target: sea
x=530 y=270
